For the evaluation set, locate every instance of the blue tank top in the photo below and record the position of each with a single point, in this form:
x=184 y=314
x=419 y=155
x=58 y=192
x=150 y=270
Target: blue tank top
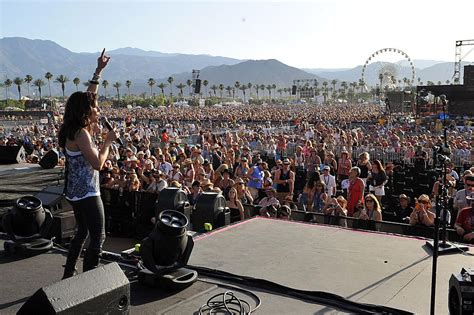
x=82 y=179
x=257 y=178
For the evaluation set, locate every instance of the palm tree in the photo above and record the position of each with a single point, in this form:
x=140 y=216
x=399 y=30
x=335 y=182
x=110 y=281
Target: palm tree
x=205 y=83
x=189 y=83
x=170 y=81
x=280 y=91
x=39 y=83
x=117 y=86
x=221 y=89
x=18 y=81
x=180 y=87
x=447 y=82
x=151 y=82
x=249 y=86
x=257 y=87
x=48 y=77
x=381 y=79
x=214 y=89
x=105 y=84
x=76 y=82
x=128 y=84
x=62 y=79
x=162 y=86
x=28 y=79
x=269 y=88
x=86 y=84
x=7 y=83
x=344 y=87
x=243 y=88
x=229 y=90
x=237 y=86
x=334 y=82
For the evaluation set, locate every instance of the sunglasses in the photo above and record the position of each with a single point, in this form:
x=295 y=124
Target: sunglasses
x=469 y=185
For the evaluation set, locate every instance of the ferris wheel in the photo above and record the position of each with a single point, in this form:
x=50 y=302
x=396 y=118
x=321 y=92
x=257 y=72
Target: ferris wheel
x=388 y=72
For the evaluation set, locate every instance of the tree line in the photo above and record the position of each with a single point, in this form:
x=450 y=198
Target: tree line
x=327 y=90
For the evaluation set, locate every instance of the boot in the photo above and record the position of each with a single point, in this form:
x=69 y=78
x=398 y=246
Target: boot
x=91 y=260
x=70 y=266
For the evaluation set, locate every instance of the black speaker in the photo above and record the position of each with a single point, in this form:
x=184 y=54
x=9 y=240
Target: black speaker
x=52 y=199
x=197 y=86
x=50 y=160
x=293 y=90
x=461 y=292
x=104 y=290
x=208 y=209
x=12 y=154
x=171 y=198
x=63 y=227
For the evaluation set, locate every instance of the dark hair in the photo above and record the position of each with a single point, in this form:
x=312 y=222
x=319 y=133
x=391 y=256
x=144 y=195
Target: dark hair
x=379 y=166
x=76 y=115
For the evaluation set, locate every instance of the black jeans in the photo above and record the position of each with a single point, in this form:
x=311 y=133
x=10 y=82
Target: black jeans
x=89 y=214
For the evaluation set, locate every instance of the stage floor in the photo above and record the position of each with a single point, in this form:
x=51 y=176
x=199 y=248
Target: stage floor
x=364 y=267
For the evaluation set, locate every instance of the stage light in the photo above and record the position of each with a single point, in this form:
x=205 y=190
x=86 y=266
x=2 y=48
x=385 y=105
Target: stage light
x=461 y=293
x=166 y=251
x=27 y=224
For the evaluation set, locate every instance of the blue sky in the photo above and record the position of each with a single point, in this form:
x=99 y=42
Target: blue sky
x=312 y=34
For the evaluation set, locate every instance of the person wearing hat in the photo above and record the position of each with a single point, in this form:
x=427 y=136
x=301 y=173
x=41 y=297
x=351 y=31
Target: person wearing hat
x=246 y=154
x=158 y=182
x=242 y=168
x=255 y=176
x=404 y=210
x=175 y=174
x=242 y=192
x=269 y=203
x=285 y=181
x=422 y=214
x=207 y=185
x=465 y=221
x=329 y=181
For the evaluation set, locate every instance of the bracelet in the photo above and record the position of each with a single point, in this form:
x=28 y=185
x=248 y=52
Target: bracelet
x=95 y=76
x=94 y=82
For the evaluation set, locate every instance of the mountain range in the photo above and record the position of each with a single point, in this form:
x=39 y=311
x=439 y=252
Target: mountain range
x=22 y=56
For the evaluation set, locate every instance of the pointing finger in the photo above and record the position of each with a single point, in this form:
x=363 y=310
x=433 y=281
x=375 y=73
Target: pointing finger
x=103 y=52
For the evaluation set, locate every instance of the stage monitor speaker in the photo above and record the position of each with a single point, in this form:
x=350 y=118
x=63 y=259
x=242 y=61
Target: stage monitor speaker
x=52 y=199
x=50 y=160
x=12 y=154
x=207 y=209
x=461 y=292
x=197 y=86
x=171 y=198
x=293 y=90
x=104 y=290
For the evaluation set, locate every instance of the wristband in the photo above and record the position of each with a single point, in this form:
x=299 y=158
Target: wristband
x=94 y=82
x=96 y=77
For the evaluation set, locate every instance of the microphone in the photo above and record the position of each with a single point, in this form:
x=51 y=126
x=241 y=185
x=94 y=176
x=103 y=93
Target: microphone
x=107 y=125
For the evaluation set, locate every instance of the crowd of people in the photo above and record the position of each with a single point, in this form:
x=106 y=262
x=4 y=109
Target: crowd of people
x=335 y=160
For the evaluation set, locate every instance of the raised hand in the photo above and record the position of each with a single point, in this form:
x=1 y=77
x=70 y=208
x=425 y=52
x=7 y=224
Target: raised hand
x=102 y=61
